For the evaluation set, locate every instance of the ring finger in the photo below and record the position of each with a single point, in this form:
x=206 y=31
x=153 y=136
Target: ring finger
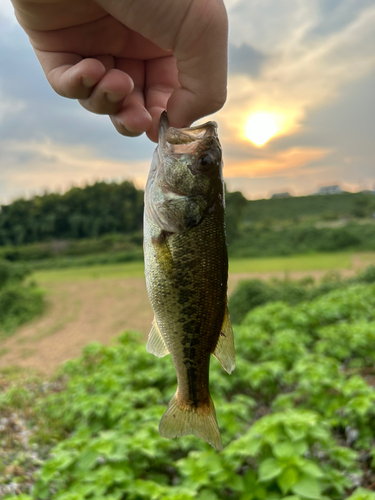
x=133 y=119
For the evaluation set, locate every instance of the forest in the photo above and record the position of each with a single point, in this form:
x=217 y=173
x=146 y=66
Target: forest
x=87 y=212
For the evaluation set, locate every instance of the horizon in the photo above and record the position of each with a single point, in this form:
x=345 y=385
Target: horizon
x=290 y=194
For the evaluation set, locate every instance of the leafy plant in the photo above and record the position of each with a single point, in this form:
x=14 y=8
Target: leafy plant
x=19 y=302
x=297 y=414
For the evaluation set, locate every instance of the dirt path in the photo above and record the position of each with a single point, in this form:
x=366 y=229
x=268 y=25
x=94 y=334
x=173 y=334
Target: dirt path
x=78 y=313
x=87 y=311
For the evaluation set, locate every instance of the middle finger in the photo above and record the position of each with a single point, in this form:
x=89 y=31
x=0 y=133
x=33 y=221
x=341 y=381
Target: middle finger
x=107 y=96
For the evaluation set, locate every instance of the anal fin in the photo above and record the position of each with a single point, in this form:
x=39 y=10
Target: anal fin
x=224 y=350
x=155 y=342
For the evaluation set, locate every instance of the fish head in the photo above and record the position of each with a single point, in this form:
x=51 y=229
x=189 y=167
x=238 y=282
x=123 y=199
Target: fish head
x=185 y=181
x=189 y=159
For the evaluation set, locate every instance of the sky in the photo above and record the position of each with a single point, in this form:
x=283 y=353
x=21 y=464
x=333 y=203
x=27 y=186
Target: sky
x=300 y=112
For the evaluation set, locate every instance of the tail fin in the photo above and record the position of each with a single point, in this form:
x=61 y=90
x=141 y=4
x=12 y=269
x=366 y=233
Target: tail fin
x=201 y=422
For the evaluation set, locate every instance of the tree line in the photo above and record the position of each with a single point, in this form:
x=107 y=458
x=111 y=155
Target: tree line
x=328 y=207
x=86 y=212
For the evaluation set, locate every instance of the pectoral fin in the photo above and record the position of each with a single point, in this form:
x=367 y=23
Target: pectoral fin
x=224 y=351
x=155 y=342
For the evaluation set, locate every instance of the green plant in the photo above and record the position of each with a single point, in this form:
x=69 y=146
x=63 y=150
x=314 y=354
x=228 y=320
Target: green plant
x=297 y=414
x=19 y=302
x=249 y=294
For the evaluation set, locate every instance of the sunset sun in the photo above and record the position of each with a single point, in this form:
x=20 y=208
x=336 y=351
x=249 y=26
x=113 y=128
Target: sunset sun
x=260 y=127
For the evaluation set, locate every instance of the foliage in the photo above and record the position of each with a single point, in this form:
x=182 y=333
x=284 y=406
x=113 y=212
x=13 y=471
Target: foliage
x=110 y=245
x=79 y=213
x=88 y=260
x=302 y=238
x=235 y=204
x=248 y=295
x=297 y=414
x=12 y=273
x=19 y=302
x=244 y=243
x=253 y=293
x=342 y=206
x=101 y=223
x=367 y=275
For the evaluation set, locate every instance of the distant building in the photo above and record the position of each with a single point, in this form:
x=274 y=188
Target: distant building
x=330 y=190
x=281 y=195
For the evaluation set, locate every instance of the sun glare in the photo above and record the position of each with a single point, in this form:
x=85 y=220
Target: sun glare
x=260 y=127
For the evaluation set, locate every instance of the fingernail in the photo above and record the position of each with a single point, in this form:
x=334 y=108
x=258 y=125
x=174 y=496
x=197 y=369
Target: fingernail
x=114 y=98
x=88 y=82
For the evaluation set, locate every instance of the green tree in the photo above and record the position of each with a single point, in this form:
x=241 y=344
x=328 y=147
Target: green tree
x=235 y=204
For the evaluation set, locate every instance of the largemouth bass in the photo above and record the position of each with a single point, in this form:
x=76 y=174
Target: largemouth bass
x=186 y=268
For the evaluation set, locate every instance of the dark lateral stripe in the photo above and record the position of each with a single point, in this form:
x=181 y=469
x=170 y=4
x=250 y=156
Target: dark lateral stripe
x=192 y=385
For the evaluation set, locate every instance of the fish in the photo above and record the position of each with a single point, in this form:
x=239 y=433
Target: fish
x=186 y=270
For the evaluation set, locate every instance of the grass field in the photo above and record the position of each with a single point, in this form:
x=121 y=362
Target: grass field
x=305 y=262
x=125 y=270
x=99 y=302
x=312 y=262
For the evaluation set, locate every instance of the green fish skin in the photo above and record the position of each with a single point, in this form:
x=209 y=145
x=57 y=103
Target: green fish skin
x=186 y=268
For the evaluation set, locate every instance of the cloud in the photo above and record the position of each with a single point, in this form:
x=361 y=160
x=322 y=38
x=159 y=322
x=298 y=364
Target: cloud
x=8 y=106
x=7 y=12
x=244 y=60
x=334 y=14
x=268 y=25
x=309 y=63
x=301 y=72
x=35 y=112
x=30 y=167
x=279 y=163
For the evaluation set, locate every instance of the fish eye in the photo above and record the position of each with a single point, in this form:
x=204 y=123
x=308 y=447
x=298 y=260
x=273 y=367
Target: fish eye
x=206 y=160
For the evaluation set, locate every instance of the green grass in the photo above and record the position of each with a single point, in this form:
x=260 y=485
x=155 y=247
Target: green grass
x=305 y=262
x=311 y=262
x=88 y=273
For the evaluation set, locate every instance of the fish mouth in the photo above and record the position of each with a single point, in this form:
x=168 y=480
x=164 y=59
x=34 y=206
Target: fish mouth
x=187 y=135
x=188 y=140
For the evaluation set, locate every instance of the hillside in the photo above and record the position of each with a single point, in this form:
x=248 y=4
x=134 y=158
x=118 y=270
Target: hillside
x=329 y=206
x=102 y=224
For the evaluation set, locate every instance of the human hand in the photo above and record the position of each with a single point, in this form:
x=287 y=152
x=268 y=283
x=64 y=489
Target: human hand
x=132 y=59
